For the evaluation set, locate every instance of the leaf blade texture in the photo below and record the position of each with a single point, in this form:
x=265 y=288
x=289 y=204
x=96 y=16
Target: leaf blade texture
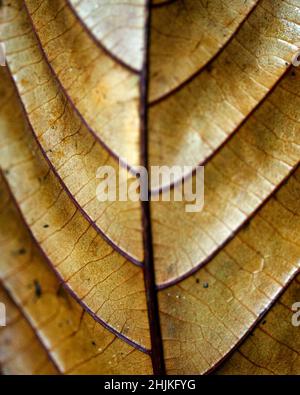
x=144 y=287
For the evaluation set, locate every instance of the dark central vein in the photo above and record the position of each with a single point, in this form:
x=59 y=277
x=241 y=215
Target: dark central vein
x=149 y=275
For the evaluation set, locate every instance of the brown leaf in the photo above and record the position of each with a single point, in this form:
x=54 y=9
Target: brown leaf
x=104 y=93
x=265 y=150
x=70 y=335
x=130 y=287
x=188 y=126
x=273 y=347
x=195 y=30
x=101 y=278
x=212 y=311
x=110 y=27
x=73 y=152
x=20 y=350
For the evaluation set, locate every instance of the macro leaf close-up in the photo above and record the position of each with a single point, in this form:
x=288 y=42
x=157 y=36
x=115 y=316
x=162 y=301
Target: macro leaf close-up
x=150 y=187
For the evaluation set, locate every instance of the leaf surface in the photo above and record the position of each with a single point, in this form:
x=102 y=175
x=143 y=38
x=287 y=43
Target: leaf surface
x=273 y=347
x=73 y=152
x=103 y=280
x=126 y=287
x=69 y=334
x=105 y=94
x=185 y=37
x=110 y=27
x=190 y=125
x=20 y=349
x=265 y=151
x=212 y=310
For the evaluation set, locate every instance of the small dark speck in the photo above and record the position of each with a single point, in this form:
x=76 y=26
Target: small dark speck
x=209 y=68
x=46 y=226
x=93 y=343
x=38 y=289
x=287 y=64
x=247 y=225
x=293 y=73
x=205 y=285
x=22 y=251
x=197 y=280
x=60 y=291
x=264 y=322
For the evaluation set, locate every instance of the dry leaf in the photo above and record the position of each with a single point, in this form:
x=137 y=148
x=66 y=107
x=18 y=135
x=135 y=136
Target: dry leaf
x=137 y=287
x=273 y=348
x=20 y=350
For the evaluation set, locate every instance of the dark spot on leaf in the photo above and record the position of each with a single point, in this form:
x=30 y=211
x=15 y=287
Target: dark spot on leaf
x=46 y=226
x=22 y=251
x=37 y=289
x=61 y=291
x=264 y=322
x=93 y=343
x=205 y=285
x=209 y=68
x=247 y=225
x=197 y=280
